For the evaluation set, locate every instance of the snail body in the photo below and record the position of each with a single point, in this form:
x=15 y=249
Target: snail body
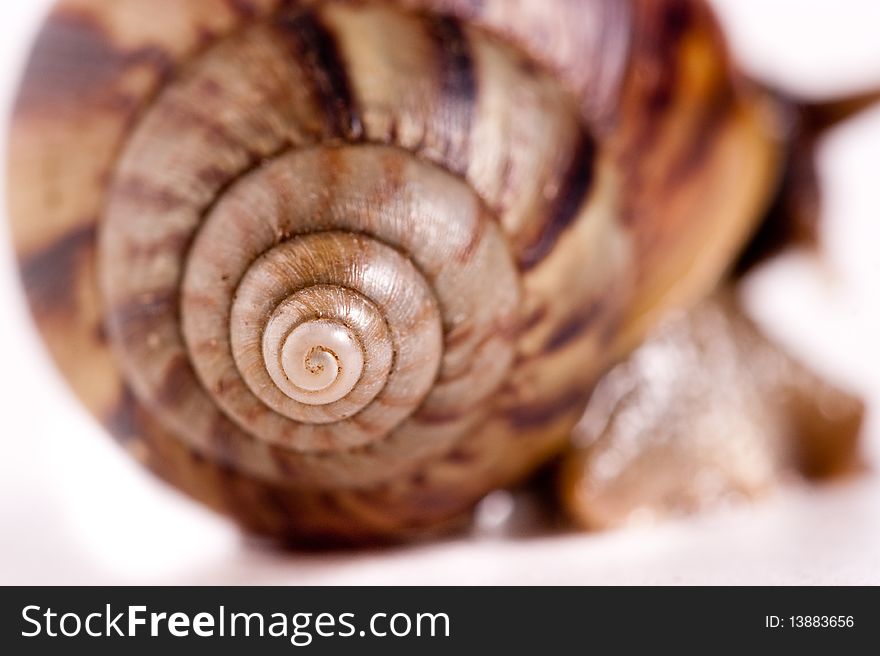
x=338 y=269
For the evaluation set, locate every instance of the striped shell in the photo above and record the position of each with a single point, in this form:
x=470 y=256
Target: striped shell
x=338 y=269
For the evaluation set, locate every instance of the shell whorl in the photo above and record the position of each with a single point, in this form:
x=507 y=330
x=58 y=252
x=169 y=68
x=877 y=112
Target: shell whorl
x=318 y=362
x=373 y=311
x=248 y=224
x=283 y=250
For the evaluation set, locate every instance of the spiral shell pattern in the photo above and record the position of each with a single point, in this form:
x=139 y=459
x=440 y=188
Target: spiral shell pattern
x=351 y=248
x=347 y=266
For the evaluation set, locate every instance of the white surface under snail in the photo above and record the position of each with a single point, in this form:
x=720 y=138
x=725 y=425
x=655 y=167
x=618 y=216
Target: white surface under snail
x=339 y=269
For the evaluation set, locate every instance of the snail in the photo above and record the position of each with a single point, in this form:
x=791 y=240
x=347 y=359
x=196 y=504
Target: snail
x=338 y=269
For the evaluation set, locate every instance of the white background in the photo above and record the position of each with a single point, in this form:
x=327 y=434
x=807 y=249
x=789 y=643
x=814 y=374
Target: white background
x=75 y=509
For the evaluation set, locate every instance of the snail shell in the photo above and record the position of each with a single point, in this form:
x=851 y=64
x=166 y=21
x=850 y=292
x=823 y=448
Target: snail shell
x=338 y=269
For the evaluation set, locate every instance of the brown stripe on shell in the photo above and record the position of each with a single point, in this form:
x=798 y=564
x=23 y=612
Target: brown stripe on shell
x=179 y=377
x=659 y=42
x=576 y=325
x=438 y=417
x=314 y=44
x=223 y=432
x=171 y=242
x=466 y=254
x=136 y=318
x=675 y=20
x=706 y=135
x=573 y=191
x=142 y=190
x=125 y=419
x=460 y=456
x=585 y=42
x=74 y=60
x=50 y=275
x=457 y=84
x=531 y=416
x=242 y=8
x=532 y=319
x=188 y=118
